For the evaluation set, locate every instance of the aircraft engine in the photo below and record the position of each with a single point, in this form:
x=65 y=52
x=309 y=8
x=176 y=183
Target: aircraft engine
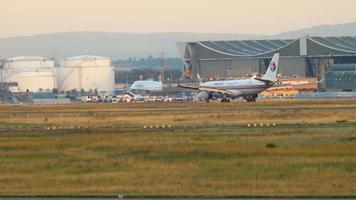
x=205 y=96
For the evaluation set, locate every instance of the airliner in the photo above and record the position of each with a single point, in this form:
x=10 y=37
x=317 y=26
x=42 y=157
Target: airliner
x=246 y=88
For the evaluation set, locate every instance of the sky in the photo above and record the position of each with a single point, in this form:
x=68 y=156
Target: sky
x=263 y=17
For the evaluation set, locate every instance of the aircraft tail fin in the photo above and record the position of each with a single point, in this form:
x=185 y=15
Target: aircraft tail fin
x=271 y=73
x=199 y=79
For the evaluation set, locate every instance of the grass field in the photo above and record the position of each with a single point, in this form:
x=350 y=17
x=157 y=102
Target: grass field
x=209 y=150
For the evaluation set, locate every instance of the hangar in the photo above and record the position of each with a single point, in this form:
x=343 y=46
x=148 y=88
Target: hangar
x=302 y=57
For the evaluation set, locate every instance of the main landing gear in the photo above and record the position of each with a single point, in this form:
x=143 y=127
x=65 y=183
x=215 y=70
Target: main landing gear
x=251 y=98
x=225 y=100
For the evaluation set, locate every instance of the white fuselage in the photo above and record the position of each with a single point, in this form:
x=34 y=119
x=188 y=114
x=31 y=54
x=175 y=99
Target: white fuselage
x=238 y=88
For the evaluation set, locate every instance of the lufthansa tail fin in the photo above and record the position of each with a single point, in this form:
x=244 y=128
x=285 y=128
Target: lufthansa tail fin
x=271 y=73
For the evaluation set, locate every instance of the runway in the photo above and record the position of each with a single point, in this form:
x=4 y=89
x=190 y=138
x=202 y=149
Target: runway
x=182 y=110
x=94 y=198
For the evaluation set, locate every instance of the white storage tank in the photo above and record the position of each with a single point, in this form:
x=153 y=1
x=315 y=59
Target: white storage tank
x=32 y=73
x=88 y=73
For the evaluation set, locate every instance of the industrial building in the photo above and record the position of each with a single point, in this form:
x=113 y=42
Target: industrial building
x=341 y=78
x=87 y=72
x=303 y=57
x=31 y=73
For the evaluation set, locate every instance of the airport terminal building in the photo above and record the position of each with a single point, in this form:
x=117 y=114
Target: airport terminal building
x=303 y=57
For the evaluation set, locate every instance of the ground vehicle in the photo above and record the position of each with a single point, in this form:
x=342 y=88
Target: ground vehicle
x=182 y=98
x=168 y=99
x=130 y=97
x=86 y=99
x=106 y=99
x=116 y=99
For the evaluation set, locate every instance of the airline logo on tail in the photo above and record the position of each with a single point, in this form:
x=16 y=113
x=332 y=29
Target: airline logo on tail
x=273 y=66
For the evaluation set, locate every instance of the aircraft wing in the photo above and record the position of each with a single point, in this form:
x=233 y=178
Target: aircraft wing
x=188 y=87
x=208 y=89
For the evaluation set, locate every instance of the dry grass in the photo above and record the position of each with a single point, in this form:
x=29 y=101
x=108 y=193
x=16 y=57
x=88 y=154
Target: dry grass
x=208 y=160
x=179 y=164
